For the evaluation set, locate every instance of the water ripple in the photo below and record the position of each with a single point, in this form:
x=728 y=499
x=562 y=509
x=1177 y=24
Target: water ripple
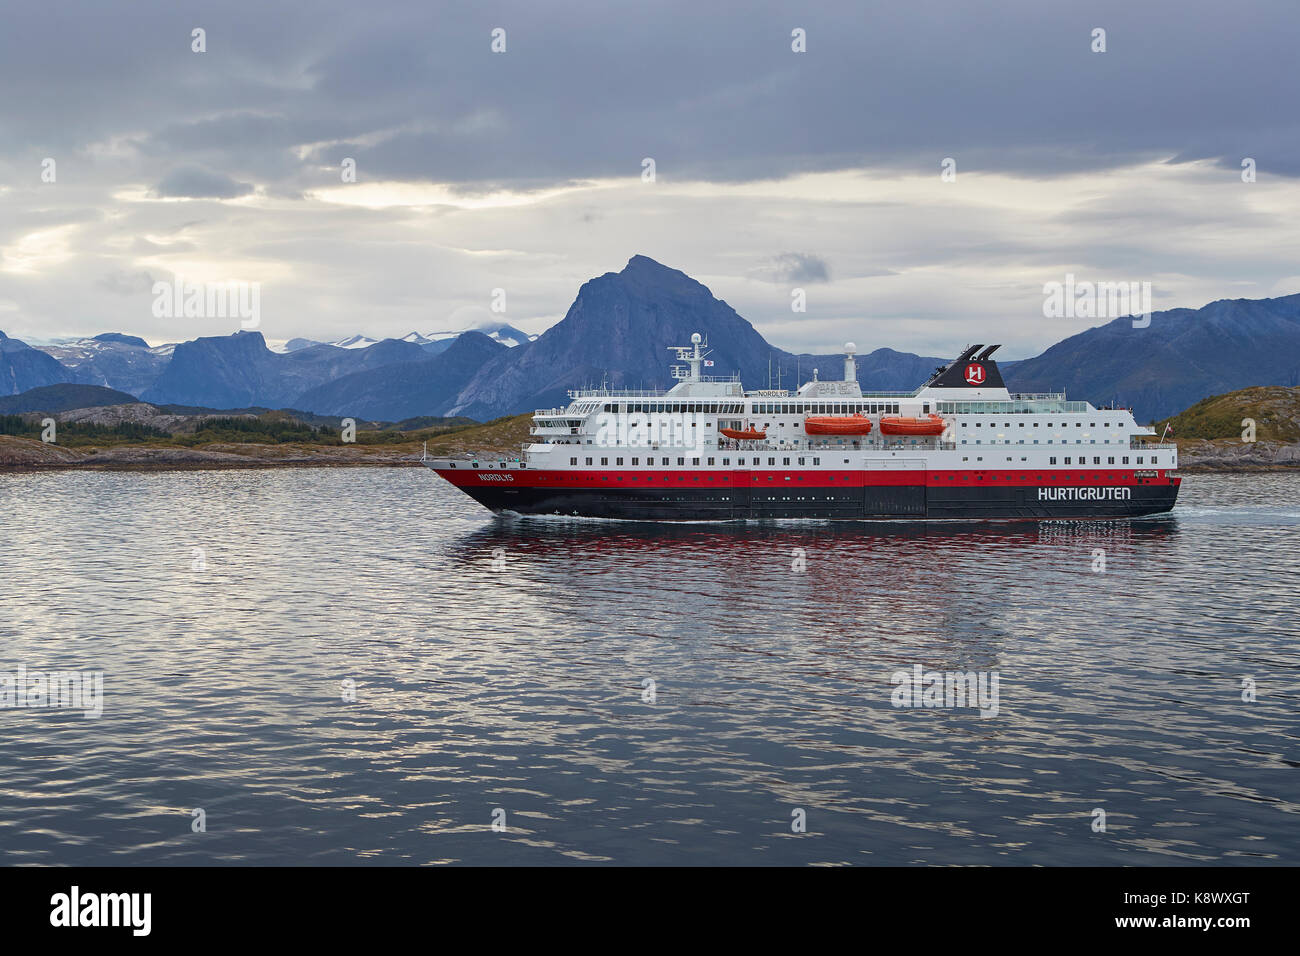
x=503 y=664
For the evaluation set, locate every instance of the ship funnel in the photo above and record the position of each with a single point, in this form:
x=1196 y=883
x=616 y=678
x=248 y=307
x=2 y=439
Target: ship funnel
x=850 y=364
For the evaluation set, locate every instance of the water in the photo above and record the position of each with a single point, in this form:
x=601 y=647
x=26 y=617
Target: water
x=500 y=664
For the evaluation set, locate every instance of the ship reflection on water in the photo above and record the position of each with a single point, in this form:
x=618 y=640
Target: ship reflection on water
x=940 y=587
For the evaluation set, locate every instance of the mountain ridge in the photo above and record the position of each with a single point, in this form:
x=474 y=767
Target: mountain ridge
x=618 y=331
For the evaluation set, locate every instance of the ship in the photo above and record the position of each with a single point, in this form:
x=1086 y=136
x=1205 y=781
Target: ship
x=961 y=446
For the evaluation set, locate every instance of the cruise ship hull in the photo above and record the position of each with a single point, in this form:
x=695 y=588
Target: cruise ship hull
x=850 y=495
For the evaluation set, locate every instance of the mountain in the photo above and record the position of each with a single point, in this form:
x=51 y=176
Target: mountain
x=112 y=360
x=355 y=342
x=61 y=398
x=507 y=335
x=294 y=345
x=239 y=370
x=619 y=330
x=351 y=342
x=407 y=389
x=23 y=367
x=121 y=339
x=1183 y=356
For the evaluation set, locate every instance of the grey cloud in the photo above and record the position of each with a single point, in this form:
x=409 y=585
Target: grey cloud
x=191 y=182
x=126 y=283
x=793 y=267
x=710 y=92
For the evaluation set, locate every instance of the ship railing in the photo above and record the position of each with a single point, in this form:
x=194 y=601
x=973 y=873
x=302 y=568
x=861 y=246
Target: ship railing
x=578 y=393
x=1038 y=396
x=1152 y=445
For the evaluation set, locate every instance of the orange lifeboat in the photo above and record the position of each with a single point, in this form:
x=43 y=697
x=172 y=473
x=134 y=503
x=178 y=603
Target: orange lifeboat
x=837 y=425
x=749 y=434
x=903 y=425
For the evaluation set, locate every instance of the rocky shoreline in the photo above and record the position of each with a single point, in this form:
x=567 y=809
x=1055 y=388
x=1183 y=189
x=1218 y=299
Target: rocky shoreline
x=1232 y=455
x=27 y=455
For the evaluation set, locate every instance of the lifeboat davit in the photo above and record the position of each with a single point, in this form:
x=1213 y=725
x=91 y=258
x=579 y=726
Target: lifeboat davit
x=837 y=425
x=749 y=434
x=903 y=425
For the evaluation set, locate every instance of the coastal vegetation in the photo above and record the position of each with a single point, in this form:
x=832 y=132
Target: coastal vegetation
x=1274 y=409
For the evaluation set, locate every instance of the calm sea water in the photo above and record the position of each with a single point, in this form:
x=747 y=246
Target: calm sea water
x=503 y=666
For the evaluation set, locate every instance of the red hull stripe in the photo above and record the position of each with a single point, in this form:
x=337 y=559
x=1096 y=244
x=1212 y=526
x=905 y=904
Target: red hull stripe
x=1099 y=476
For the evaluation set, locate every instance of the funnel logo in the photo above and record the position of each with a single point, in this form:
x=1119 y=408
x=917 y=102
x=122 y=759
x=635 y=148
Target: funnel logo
x=975 y=374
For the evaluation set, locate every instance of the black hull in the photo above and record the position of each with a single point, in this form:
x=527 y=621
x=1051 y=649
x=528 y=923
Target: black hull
x=890 y=503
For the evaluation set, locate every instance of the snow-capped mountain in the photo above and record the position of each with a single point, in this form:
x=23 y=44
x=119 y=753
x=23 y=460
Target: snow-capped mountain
x=126 y=361
x=355 y=342
x=434 y=342
x=351 y=342
x=507 y=335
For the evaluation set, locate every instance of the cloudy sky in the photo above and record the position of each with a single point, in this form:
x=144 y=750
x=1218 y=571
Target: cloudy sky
x=523 y=170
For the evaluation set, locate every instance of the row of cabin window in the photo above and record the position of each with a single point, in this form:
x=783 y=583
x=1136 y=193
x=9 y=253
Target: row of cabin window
x=761 y=408
x=1083 y=460
x=681 y=462
x=825 y=408
x=1096 y=460
x=704 y=408
x=1048 y=441
x=1049 y=424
